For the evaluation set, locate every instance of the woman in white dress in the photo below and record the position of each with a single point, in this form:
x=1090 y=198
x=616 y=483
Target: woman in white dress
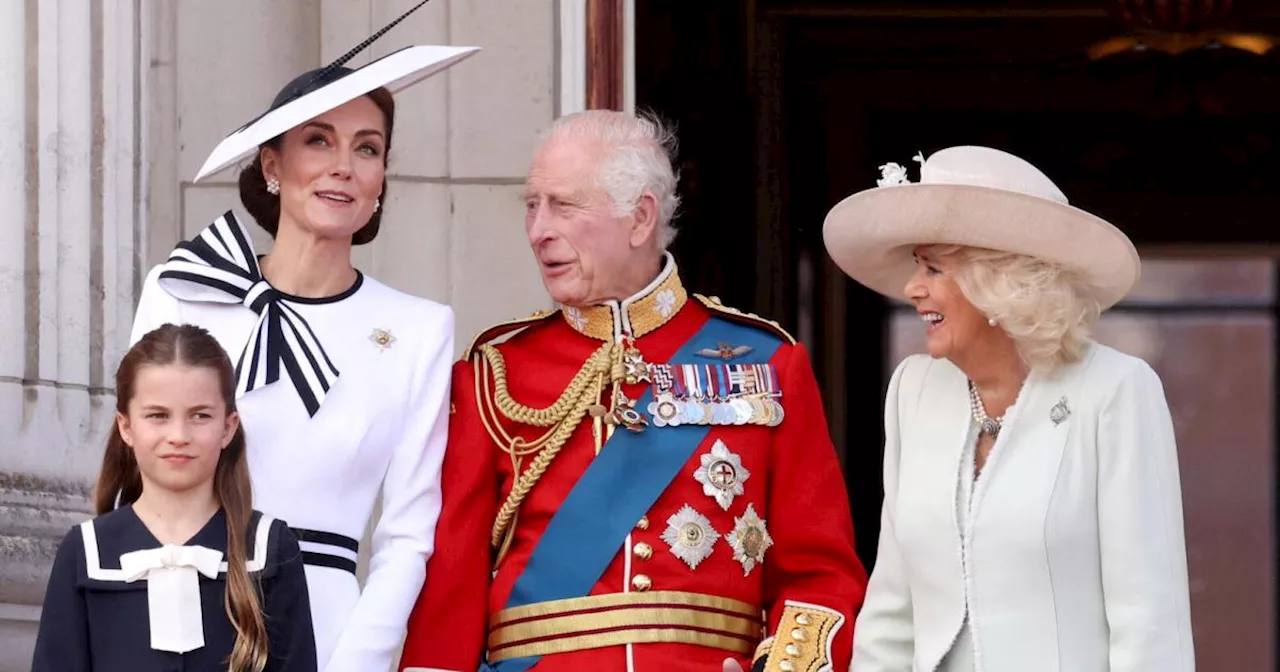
x=1032 y=517
x=343 y=382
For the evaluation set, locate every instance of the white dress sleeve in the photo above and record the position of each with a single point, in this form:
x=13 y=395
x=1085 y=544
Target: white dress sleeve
x=404 y=538
x=883 y=639
x=1144 y=557
x=156 y=307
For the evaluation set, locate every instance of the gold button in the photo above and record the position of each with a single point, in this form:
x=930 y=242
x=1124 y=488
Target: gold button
x=798 y=635
x=643 y=551
x=786 y=666
x=643 y=524
x=641 y=582
x=793 y=650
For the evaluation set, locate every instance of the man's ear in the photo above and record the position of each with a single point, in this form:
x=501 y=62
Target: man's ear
x=644 y=227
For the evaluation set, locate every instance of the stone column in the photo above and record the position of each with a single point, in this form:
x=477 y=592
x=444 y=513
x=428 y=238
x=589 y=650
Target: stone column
x=69 y=170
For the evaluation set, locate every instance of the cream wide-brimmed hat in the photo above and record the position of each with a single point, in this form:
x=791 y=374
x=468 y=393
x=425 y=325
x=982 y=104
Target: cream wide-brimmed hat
x=978 y=197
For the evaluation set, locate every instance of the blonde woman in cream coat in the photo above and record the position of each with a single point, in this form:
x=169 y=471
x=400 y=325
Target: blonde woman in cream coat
x=1032 y=518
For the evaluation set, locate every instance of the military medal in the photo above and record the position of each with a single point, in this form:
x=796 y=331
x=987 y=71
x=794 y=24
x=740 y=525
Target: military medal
x=635 y=369
x=625 y=414
x=690 y=536
x=666 y=411
x=714 y=394
x=749 y=540
x=721 y=474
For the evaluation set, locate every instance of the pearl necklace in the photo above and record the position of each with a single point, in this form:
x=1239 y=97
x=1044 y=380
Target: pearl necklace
x=986 y=424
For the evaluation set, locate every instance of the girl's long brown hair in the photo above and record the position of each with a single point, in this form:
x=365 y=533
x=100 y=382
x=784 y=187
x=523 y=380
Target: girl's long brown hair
x=120 y=480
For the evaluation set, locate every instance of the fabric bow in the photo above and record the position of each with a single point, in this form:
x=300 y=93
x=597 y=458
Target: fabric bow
x=220 y=266
x=173 y=592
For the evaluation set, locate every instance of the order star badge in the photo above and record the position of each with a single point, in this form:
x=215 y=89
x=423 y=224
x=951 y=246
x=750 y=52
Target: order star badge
x=721 y=474
x=690 y=536
x=382 y=338
x=749 y=540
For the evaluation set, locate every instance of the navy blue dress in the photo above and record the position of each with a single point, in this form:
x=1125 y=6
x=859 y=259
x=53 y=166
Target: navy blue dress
x=93 y=620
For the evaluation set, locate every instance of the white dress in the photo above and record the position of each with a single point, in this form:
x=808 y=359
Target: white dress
x=1069 y=554
x=381 y=426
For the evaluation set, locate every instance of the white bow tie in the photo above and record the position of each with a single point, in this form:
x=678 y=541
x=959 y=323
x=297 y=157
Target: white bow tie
x=173 y=592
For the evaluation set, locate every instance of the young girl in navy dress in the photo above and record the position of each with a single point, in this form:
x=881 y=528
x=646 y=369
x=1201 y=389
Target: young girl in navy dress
x=178 y=572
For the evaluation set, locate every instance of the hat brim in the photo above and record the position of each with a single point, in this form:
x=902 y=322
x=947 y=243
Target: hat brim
x=396 y=71
x=871 y=235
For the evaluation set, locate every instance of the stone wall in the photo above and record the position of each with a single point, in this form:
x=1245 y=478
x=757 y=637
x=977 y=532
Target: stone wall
x=121 y=102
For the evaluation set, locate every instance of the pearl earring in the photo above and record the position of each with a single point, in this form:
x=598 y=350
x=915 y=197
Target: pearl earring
x=273 y=186
x=991 y=321
x=377 y=203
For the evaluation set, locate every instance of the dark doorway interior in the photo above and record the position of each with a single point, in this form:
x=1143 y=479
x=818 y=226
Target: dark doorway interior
x=785 y=107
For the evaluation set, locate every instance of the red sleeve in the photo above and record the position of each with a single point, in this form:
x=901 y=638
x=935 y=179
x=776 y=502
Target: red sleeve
x=447 y=629
x=814 y=579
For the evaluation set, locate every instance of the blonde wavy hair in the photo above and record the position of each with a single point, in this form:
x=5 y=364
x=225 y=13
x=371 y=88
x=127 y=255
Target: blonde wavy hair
x=1041 y=305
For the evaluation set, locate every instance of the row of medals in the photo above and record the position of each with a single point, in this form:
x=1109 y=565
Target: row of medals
x=744 y=410
x=668 y=411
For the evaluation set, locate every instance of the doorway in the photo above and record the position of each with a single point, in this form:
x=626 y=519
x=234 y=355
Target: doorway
x=785 y=107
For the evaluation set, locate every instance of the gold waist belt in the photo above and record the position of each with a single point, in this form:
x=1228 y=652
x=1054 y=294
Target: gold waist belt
x=560 y=626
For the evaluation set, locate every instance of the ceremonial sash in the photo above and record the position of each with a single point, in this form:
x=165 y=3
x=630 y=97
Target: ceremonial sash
x=621 y=485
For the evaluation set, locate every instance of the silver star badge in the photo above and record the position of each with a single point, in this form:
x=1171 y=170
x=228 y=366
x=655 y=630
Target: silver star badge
x=721 y=474
x=690 y=536
x=749 y=540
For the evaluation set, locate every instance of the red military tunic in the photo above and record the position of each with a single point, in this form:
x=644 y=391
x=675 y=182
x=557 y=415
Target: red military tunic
x=756 y=523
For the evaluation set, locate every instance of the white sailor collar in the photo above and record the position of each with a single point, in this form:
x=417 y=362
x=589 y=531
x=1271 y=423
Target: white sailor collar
x=110 y=536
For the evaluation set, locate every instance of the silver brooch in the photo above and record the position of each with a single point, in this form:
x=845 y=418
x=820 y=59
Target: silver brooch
x=1059 y=412
x=382 y=338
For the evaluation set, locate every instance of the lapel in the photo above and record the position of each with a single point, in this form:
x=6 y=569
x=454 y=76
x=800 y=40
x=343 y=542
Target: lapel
x=933 y=441
x=1020 y=474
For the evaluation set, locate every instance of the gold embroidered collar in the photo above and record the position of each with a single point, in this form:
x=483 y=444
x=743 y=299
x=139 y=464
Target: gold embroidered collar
x=636 y=316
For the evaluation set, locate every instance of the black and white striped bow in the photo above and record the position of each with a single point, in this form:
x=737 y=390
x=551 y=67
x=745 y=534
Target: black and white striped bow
x=220 y=266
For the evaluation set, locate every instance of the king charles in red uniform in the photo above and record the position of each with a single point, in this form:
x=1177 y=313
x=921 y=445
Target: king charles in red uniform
x=642 y=480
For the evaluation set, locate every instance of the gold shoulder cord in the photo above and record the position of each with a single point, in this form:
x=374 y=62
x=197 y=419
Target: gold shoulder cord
x=562 y=417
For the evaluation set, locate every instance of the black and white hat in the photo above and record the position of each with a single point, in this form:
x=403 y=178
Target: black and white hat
x=323 y=89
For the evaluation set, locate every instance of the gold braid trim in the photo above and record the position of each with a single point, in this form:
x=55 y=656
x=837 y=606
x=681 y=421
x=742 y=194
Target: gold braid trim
x=562 y=417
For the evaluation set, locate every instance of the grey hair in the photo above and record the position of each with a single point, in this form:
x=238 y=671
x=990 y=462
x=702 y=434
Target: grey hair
x=639 y=156
x=1041 y=305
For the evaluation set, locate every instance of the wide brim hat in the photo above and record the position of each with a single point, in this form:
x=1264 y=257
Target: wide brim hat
x=323 y=89
x=977 y=197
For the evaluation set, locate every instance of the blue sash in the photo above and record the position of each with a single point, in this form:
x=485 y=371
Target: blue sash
x=621 y=485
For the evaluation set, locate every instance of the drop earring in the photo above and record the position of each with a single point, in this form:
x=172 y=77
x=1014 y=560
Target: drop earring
x=377 y=204
x=273 y=186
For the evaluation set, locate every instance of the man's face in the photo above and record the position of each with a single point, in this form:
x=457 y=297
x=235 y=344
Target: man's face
x=585 y=252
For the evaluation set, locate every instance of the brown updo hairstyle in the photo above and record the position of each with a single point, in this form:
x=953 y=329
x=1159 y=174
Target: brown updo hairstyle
x=265 y=207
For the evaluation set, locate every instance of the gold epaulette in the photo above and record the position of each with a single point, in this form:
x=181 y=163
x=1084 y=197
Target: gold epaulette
x=713 y=304
x=504 y=328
